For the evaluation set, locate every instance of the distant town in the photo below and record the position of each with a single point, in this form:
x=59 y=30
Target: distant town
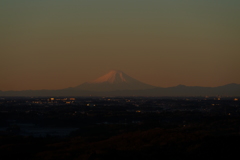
x=35 y=111
x=106 y=127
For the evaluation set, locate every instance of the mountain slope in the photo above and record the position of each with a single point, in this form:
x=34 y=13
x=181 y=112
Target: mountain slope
x=112 y=81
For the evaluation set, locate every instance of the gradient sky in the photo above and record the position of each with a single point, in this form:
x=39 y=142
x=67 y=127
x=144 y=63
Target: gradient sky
x=55 y=44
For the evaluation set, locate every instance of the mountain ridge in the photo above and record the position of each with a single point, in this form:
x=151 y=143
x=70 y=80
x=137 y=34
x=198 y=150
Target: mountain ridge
x=117 y=83
x=158 y=91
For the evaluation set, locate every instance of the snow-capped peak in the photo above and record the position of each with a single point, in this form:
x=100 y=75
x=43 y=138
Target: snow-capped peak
x=114 y=76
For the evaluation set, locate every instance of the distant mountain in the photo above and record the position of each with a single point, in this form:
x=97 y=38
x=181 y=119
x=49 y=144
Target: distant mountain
x=117 y=83
x=113 y=81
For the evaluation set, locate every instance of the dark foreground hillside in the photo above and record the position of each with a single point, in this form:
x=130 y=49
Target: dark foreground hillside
x=199 y=141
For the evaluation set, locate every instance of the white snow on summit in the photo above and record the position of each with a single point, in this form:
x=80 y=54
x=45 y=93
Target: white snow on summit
x=114 y=76
x=114 y=81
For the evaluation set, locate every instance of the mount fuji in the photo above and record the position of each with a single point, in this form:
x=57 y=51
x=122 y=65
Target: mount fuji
x=114 y=80
x=117 y=83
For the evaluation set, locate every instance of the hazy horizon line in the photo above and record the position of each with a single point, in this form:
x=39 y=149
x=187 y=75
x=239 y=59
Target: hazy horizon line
x=150 y=84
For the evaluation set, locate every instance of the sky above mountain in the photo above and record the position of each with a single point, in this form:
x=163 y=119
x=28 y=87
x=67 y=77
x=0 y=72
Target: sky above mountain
x=54 y=44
